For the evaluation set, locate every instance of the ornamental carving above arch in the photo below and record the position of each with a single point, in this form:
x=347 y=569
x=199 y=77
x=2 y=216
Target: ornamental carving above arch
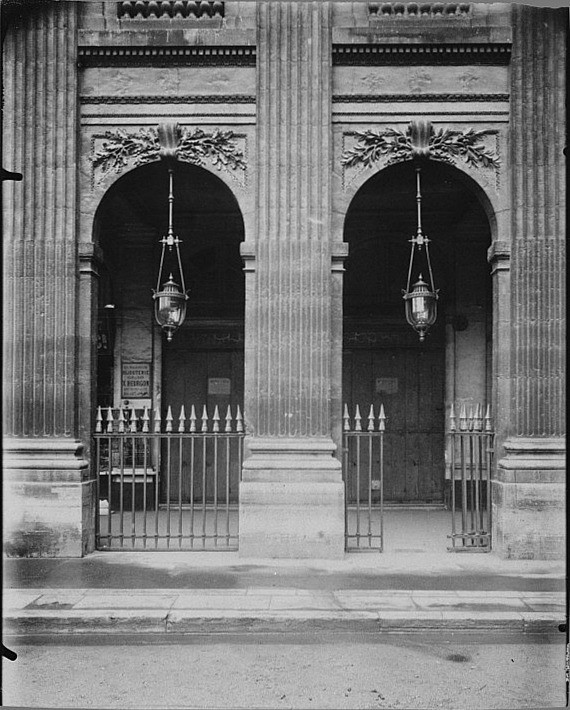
x=421 y=141
x=168 y=141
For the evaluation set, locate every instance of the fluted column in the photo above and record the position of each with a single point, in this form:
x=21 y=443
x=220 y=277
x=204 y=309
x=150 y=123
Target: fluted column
x=40 y=270
x=288 y=317
x=293 y=205
x=528 y=492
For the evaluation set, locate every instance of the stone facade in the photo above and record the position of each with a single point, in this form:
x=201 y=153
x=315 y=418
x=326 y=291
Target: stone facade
x=296 y=85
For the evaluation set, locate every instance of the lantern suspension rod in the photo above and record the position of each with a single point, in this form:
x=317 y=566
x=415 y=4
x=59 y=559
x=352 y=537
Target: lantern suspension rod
x=170 y=238
x=419 y=205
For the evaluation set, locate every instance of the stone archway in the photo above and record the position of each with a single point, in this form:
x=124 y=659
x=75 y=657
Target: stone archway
x=383 y=361
x=204 y=363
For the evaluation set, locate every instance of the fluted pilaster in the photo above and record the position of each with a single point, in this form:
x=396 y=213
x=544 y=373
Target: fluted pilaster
x=40 y=134
x=292 y=367
x=538 y=221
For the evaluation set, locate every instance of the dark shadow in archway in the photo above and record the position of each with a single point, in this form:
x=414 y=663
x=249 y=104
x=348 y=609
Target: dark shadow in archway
x=204 y=363
x=383 y=361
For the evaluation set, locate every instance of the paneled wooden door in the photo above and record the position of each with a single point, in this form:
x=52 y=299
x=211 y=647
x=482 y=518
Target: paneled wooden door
x=410 y=384
x=201 y=377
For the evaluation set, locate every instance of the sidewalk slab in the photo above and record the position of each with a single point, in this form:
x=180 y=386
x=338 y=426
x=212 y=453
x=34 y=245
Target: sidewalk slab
x=226 y=611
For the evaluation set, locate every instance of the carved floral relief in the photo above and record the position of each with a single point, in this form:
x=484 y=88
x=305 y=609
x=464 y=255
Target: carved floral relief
x=121 y=149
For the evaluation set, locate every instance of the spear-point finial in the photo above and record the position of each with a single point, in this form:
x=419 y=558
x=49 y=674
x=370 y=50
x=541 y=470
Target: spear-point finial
x=169 y=419
x=182 y=419
x=382 y=419
x=371 y=418
x=357 y=419
x=145 y=419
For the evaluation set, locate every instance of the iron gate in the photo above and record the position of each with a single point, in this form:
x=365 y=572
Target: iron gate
x=471 y=465
x=165 y=484
x=363 y=474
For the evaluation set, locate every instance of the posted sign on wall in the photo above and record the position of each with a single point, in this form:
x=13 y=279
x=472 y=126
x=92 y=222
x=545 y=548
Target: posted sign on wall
x=135 y=381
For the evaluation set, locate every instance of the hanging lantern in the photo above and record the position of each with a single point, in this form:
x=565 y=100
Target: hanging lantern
x=421 y=298
x=170 y=299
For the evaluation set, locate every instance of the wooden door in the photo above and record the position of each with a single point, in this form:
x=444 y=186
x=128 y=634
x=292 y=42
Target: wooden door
x=201 y=377
x=410 y=384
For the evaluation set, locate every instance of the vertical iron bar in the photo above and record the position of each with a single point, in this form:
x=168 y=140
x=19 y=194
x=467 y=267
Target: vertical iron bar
x=240 y=463
x=98 y=487
x=490 y=446
x=228 y=442
x=381 y=490
x=121 y=491
x=168 y=445
x=204 y=439
x=463 y=487
x=110 y=488
x=216 y=438
x=370 y=439
x=358 y=490
x=192 y=491
x=472 y=481
x=145 y=483
x=480 y=483
x=453 y=502
x=345 y=440
x=133 y=492
x=180 y=440
x=158 y=471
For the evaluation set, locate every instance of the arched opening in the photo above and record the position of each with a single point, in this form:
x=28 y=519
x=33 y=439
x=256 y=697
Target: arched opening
x=203 y=365
x=383 y=360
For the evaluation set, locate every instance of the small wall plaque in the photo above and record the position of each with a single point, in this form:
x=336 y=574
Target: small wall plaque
x=135 y=380
x=219 y=385
x=386 y=385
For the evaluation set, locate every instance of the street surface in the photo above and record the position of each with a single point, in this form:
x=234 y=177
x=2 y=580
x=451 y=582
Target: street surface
x=316 y=670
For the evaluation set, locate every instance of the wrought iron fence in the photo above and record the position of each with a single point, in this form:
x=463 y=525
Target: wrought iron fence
x=472 y=450
x=363 y=473
x=165 y=484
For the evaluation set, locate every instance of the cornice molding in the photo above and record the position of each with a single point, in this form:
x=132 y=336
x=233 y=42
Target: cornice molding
x=415 y=98
x=167 y=99
x=144 y=55
x=414 y=11
x=450 y=54
x=167 y=10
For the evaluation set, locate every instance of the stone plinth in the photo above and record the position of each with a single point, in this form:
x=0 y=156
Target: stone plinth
x=49 y=499
x=291 y=500
x=528 y=500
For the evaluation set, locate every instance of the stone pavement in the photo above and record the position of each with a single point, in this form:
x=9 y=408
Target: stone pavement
x=222 y=593
x=284 y=609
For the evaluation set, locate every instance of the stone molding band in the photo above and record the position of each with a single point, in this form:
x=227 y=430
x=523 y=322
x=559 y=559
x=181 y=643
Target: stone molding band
x=178 y=99
x=242 y=55
x=424 y=54
x=414 y=98
x=343 y=55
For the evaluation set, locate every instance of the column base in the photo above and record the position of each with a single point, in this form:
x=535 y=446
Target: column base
x=291 y=500
x=528 y=500
x=49 y=499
